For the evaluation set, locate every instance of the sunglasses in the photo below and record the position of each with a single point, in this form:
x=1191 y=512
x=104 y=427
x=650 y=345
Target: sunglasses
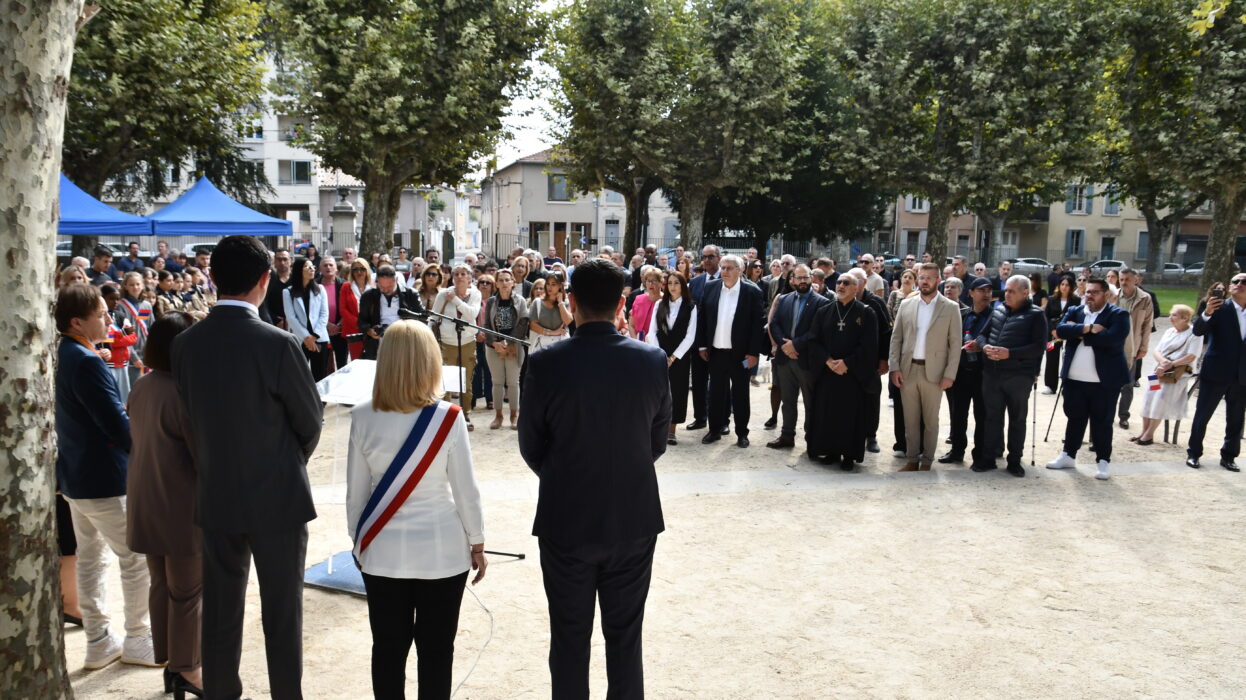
x=484 y=284
x=1241 y=281
x=842 y=283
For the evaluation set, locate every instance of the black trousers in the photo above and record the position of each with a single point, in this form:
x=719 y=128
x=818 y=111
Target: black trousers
x=319 y=361
x=728 y=378
x=402 y=610
x=1004 y=393
x=279 y=561
x=341 y=353
x=967 y=391
x=1087 y=402
x=616 y=576
x=1210 y=394
x=897 y=416
x=678 y=373
x=1051 y=373
x=700 y=372
x=873 y=400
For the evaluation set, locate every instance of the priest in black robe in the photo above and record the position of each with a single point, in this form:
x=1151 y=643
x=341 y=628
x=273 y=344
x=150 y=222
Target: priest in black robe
x=844 y=363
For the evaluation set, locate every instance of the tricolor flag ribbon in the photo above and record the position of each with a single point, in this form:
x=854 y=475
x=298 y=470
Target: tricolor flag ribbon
x=426 y=440
x=1154 y=380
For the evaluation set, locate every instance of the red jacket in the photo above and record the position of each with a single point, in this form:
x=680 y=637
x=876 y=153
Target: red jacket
x=119 y=345
x=348 y=309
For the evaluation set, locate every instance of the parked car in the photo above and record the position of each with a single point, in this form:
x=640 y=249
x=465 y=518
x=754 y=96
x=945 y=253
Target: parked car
x=1101 y=267
x=1172 y=272
x=1194 y=271
x=201 y=248
x=1029 y=266
x=64 y=251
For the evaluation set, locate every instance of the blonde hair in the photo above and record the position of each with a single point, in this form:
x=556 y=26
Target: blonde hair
x=1182 y=310
x=408 y=369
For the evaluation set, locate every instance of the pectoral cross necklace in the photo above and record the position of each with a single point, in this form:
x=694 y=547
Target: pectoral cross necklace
x=840 y=316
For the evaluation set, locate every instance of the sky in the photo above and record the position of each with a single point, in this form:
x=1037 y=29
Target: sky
x=528 y=121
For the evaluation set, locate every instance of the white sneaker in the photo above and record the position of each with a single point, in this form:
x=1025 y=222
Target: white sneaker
x=138 y=651
x=1102 y=474
x=1047 y=391
x=102 y=652
x=1064 y=461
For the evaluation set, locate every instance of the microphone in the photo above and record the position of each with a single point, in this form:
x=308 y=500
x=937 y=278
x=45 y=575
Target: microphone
x=409 y=315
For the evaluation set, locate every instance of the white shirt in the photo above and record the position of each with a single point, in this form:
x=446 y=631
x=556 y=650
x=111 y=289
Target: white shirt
x=1241 y=316
x=875 y=283
x=449 y=304
x=925 y=314
x=389 y=308
x=245 y=304
x=728 y=300
x=429 y=535
x=1082 y=366
x=672 y=315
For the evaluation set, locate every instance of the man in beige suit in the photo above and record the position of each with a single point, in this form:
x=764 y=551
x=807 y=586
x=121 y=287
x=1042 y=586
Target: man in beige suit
x=924 y=358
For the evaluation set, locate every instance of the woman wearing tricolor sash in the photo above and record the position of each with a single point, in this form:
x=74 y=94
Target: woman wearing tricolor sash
x=413 y=511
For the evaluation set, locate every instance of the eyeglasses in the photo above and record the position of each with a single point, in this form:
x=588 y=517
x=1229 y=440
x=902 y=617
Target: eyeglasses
x=709 y=255
x=484 y=284
x=1239 y=281
x=844 y=283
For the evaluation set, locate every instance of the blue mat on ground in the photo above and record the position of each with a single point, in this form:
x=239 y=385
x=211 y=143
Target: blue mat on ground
x=345 y=578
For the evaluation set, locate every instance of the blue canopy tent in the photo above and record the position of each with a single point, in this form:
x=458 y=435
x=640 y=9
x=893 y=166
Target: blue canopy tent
x=84 y=215
x=205 y=211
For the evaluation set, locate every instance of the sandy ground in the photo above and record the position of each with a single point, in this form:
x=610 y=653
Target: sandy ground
x=779 y=578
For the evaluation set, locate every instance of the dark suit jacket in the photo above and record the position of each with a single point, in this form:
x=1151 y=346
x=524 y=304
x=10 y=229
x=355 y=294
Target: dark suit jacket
x=593 y=492
x=370 y=313
x=781 y=326
x=92 y=428
x=696 y=286
x=1109 y=345
x=1223 y=360
x=254 y=420
x=747 y=329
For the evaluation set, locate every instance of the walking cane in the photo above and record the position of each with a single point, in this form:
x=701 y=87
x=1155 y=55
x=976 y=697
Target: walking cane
x=1059 y=395
x=1033 y=421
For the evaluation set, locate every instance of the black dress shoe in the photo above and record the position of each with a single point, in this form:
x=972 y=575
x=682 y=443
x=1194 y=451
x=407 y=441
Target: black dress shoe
x=741 y=442
x=1016 y=470
x=725 y=430
x=183 y=687
x=951 y=458
x=781 y=442
x=982 y=467
x=828 y=459
x=1192 y=462
x=711 y=436
x=772 y=421
x=1230 y=465
x=872 y=446
x=846 y=465
x=670 y=440
x=695 y=425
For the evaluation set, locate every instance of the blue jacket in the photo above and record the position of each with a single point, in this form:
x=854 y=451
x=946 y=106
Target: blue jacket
x=1109 y=345
x=1223 y=361
x=781 y=330
x=92 y=428
x=696 y=286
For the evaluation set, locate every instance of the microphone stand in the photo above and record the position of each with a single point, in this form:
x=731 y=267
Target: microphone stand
x=459 y=325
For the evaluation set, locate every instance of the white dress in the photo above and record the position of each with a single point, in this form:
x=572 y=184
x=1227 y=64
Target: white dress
x=1168 y=403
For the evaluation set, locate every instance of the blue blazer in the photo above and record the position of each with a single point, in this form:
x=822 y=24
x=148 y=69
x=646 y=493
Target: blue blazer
x=92 y=428
x=1109 y=346
x=1223 y=361
x=748 y=333
x=596 y=491
x=696 y=287
x=781 y=326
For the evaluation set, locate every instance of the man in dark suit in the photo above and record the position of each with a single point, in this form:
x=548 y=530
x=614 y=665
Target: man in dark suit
x=1223 y=376
x=730 y=338
x=700 y=371
x=1094 y=372
x=598 y=513
x=255 y=416
x=379 y=307
x=791 y=328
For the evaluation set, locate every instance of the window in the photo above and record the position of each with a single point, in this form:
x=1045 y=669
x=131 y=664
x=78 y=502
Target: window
x=1111 y=207
x=1075 y=243
x=294 y=172
x=916 y=204
x=559 y=191
x=1079 y=199
x=253 y=130
x=1144 y=241
x=612 y=197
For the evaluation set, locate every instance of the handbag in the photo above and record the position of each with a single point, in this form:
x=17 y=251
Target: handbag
x=1172 y=375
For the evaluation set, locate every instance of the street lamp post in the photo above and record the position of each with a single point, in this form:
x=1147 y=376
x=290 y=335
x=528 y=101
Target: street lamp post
x=639 y=183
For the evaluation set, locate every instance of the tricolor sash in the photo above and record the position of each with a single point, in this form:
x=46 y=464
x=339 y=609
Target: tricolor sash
x=140 y=318
x=423 y=444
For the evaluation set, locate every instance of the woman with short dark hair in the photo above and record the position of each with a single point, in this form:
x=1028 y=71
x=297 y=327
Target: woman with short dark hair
x=161 y=488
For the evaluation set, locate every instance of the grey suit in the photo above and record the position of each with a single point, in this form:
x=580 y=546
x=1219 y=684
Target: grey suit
x=255 y=417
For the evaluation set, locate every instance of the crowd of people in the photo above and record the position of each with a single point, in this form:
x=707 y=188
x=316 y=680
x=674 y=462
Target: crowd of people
x=165 y=363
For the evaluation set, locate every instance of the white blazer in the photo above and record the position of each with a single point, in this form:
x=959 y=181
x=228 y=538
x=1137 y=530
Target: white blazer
x=429 y=536
x=297 y=316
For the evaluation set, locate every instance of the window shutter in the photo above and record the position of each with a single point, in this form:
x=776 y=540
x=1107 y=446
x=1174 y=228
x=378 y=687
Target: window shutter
x=1090 y=199
x=1069 y=194
x=1068 y=242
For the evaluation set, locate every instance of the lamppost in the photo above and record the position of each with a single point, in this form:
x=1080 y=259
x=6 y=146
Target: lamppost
x=639 y=183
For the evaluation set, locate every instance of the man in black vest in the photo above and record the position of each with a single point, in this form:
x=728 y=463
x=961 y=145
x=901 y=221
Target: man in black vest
x=791 y=327
x=967 y=389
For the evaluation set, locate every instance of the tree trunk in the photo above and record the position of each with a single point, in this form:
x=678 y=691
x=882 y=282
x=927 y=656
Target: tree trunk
x=1228 y=205
x=379 y=213
x=1158 y=231
x=941 y=209
x=692 y=218
x=632 y=227
x=642 y=212
x=36 y=49
x=995 y=221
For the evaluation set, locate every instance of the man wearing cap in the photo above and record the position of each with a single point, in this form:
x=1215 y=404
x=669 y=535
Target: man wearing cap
x=967 y=389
